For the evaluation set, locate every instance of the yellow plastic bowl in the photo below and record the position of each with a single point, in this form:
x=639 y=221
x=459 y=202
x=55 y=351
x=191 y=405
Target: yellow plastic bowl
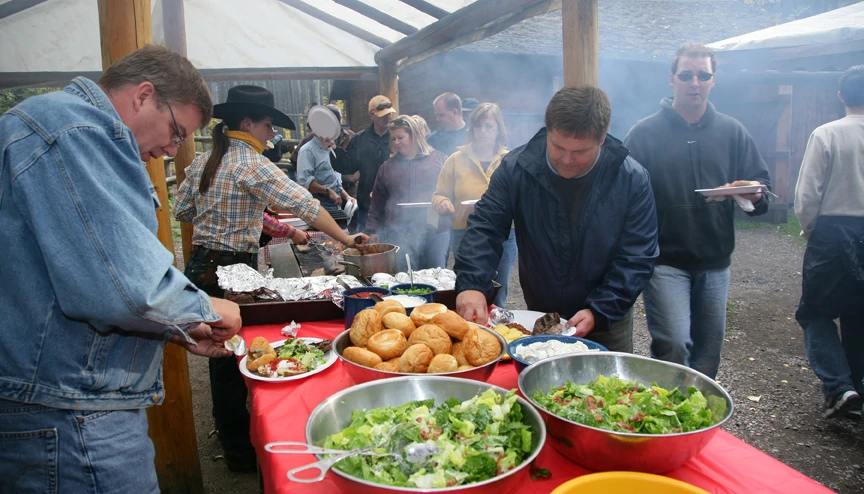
x=626 y=483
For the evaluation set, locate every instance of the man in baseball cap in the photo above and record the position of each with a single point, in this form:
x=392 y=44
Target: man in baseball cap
x=367 y=151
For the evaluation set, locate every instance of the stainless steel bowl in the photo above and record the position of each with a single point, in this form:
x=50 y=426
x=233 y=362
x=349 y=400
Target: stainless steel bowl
x=361 y=374
x=334 y=414
x=603 y=450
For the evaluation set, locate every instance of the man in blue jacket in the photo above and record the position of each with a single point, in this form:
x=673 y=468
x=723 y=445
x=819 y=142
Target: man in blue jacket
x=685 y=146
x=89 y=297
x=585 y=224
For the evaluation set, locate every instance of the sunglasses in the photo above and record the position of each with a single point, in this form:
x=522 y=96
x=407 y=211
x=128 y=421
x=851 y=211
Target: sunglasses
x=179 y=139
x=383 y=106
x=687 y=76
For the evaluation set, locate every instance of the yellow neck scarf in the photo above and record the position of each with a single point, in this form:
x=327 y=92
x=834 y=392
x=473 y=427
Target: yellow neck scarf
x=247 y=138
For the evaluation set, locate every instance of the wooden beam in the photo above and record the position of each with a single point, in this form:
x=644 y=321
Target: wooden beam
x=12 y=7
x=174 y=22
x=579 y=26
x=336 y=22
x=486 y=31
x=291 y=73
x=124 y=27
x=427 y=8
x=388 y=83
x=464 y=20
x=378 y=16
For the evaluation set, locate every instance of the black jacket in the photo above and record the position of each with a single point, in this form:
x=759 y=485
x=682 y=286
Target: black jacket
x=695 y=234
x=604 y=271
x=366 y=152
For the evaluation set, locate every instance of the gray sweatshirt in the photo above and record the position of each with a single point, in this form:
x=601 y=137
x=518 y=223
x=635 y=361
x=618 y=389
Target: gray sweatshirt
x=831 y=180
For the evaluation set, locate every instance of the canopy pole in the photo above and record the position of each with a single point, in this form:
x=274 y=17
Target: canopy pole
x=388 y=82
x=579 y=22
x=124 y=27
x=174 y=23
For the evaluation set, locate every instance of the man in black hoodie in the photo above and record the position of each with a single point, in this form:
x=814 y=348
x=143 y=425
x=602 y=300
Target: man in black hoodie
x=687 y=145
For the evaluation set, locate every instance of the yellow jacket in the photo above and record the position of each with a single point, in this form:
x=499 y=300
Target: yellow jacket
x=463 y=179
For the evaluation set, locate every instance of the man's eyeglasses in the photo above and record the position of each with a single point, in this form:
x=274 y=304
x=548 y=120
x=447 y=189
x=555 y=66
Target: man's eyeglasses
x=687 y=76
x=180 y=138
x=384 y=106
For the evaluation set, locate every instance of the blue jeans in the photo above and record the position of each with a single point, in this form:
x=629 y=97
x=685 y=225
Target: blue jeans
x=428 y=250
x=686 y=314
x=50 y=450
x=833 y=288
x=505 y=266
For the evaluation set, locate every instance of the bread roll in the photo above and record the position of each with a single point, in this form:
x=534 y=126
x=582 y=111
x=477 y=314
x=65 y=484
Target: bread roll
x=464 y=367
x=388 y=343
x=442 y=363
x=423 y=314
x=361 y=356
x=416 y=359
x=389 y=366
x=480 y=347
x=458 y=351
x=366 y=323
x=452 y=323
x=388 y=306
x=431 y=336
x=395 y=320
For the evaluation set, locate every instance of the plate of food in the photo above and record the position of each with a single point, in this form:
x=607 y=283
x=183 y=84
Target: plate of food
x=735 y=188
x=531 y=322
x=286 y=360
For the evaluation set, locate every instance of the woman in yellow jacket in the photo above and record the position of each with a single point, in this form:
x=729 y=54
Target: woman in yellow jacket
x=465 y=177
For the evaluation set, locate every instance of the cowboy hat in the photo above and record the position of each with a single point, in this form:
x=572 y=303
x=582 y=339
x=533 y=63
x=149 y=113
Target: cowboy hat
x=252 y=99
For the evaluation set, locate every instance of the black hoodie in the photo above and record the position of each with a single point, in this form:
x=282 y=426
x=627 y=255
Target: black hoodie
x=682 y=157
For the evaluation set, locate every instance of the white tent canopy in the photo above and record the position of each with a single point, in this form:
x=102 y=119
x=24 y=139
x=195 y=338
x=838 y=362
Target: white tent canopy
x=62 y=36
x=837 y=26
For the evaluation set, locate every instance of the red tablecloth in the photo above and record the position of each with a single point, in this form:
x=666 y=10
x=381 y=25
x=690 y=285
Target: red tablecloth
x=279 y=412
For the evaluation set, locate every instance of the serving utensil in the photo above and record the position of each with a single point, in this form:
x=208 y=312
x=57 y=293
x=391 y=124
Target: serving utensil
x=350 y=291
x=410 y=271
x=323 y=466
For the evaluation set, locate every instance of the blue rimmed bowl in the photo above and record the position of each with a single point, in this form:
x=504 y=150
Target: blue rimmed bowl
x=527 y=340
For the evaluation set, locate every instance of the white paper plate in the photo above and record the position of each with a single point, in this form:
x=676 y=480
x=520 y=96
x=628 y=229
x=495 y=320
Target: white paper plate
x=470 y=203
x=330 y=355
x=414 y=204
x=323 y=122
x=527 y=318
x=728 y=191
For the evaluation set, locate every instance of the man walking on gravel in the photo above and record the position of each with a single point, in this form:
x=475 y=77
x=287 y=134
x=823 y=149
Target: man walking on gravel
x=829 y=203
x=688 y=145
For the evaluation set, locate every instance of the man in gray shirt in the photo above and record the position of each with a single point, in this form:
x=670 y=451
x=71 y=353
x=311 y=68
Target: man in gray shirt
x=315 y=172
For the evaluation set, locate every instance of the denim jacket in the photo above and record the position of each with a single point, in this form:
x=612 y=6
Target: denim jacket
x=88 y=294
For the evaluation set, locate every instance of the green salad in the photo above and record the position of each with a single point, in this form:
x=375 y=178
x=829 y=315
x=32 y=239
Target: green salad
x=295 y=348
x=626 y=406
x=413 y=291
x=473 y=440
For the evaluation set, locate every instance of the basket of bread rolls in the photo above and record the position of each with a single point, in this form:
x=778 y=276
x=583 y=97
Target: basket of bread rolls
x=384 y=342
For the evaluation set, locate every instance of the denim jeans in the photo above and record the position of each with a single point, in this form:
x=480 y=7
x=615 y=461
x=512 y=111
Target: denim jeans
x=832 y=288
x=359 y=224
x=51 y=450
x=686 y=315
x=428 y=250
x=505 y=266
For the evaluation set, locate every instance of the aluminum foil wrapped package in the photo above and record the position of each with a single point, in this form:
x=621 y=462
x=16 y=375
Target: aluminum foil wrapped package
x=241 y=278
x=500 y=315
x=290 y=331
x=381 y=279
x=442 y=279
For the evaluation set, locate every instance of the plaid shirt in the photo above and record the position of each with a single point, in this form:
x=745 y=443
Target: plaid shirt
x=230 y=215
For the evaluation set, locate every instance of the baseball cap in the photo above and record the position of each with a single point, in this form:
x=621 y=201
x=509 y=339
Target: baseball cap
x=380 y=106
x=469 y=104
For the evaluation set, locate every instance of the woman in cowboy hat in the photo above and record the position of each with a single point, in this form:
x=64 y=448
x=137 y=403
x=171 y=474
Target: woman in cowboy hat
x=224 y=196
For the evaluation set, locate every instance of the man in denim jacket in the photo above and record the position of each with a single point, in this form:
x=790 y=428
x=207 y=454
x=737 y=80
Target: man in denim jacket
x=89 y=295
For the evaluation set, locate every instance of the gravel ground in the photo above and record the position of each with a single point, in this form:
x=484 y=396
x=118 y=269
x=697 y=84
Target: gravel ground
x=763 y=360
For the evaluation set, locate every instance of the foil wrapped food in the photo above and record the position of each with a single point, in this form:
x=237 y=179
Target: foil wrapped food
x=440 y=278
x=240 y=278
x=500 y=315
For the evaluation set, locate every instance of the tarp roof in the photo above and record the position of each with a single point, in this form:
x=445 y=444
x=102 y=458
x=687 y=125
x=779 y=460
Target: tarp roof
x=837 y=26
x=62 y=36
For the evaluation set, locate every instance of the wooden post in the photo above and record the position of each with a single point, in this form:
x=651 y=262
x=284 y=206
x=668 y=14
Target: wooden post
x=174 y=22
x=580 y=36
x=388 y=82
x=124 y=27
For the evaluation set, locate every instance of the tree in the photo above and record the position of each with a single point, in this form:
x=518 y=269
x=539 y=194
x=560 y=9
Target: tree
x=12 y=97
